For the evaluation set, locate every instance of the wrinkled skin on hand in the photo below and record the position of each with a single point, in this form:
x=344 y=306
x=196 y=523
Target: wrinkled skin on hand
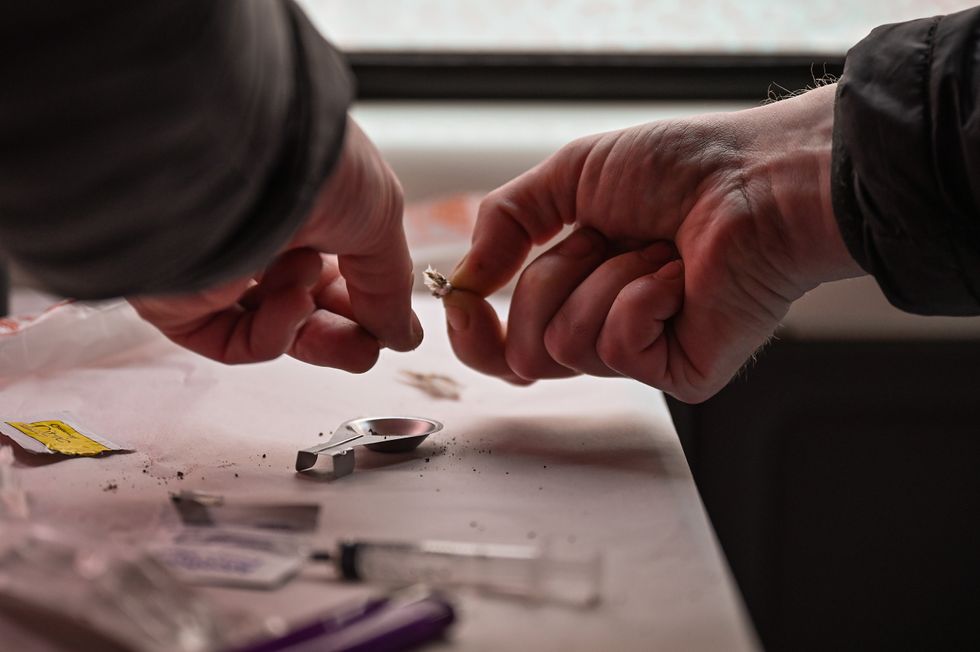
x=337 y=294
x=692 y=239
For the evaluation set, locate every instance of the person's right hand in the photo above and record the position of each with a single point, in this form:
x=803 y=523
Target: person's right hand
x=694 y=236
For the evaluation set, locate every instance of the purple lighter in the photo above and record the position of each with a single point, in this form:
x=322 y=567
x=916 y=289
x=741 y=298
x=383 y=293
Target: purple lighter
x=390 y=623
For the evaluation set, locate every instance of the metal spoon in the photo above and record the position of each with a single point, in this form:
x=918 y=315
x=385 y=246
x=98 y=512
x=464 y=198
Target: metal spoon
x=391 y=434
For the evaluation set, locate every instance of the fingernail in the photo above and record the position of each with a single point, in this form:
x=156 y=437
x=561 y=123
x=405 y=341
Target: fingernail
x=670 y=271
x=418 y=333
x=578 y=245
x=457 y=318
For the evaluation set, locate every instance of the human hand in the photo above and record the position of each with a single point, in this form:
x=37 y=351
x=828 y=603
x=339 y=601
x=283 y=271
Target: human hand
x=694 y=236
x=329 y=310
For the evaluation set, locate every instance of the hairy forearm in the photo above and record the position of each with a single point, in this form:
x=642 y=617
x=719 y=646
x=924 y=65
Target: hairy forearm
x=791 y=150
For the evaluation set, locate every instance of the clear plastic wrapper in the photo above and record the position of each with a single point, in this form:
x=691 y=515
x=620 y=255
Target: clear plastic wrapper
x=69 y=334
x=236 y=557
x=99 y=596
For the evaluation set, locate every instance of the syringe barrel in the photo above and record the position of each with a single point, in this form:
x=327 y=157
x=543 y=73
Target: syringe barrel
x=519 y=570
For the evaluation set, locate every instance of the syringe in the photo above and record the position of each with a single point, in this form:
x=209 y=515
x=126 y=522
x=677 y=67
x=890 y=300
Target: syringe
x=515 y=570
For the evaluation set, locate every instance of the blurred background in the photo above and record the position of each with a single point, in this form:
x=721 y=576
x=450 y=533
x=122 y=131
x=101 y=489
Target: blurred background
x=607 y=26
x=841 y=469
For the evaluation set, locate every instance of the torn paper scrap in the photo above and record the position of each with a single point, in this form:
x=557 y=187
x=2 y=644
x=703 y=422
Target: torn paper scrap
x=58 y=434
x=438 y=386
x=436 y=282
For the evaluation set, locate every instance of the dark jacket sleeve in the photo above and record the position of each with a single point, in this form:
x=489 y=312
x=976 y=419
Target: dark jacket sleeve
x=906 y=161
x=151 y=147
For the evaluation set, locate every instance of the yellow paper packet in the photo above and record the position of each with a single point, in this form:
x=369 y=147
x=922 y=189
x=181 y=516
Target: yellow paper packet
x=58 y=434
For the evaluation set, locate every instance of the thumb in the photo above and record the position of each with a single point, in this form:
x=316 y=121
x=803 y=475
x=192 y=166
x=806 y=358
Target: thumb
x=477 y=336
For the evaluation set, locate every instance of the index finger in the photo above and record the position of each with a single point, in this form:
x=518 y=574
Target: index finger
x=379 y=282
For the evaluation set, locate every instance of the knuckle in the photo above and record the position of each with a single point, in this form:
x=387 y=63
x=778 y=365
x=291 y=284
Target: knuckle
x=499 y=203
x=532 y=284
x=519 y=364
x=526 y=364
x=563 y=342
x=577 y=147
x=492 y=199
x=615 y=353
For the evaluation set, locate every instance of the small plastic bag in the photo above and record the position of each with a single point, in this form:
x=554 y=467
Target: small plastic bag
x=69 y=334
x=240 y=543
x=105 y=597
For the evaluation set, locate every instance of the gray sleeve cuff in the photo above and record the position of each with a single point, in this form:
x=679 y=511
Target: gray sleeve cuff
x=164 y=147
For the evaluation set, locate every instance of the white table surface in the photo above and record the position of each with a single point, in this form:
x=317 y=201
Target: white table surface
x=589 y=463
